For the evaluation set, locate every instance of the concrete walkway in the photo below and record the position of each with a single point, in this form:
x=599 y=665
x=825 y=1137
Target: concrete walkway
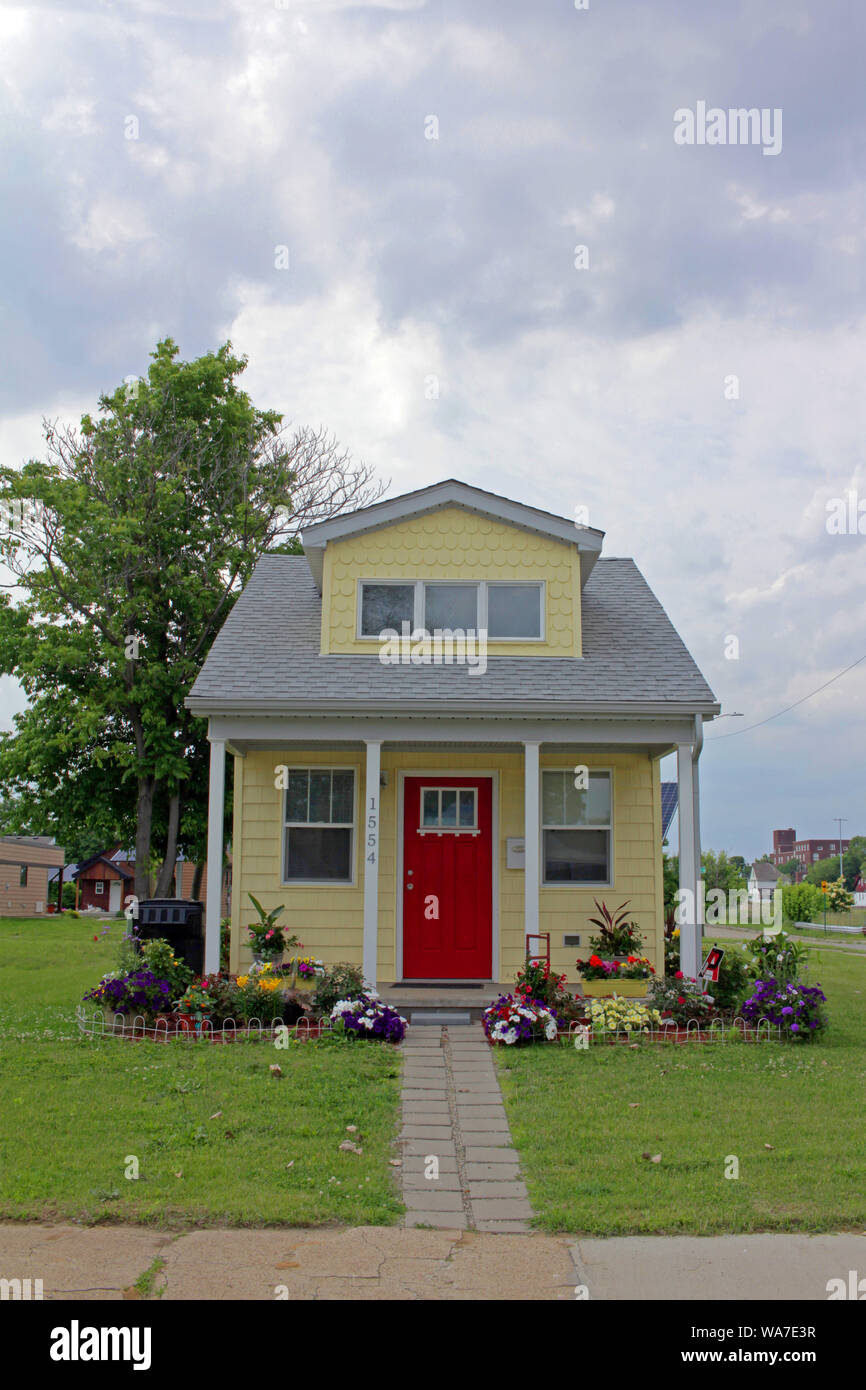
x=105 y=1263
x=459 y=1168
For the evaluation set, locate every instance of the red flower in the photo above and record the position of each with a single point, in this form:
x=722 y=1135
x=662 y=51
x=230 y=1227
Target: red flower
x=96 y=938
x=681 y=999
x=679 y=975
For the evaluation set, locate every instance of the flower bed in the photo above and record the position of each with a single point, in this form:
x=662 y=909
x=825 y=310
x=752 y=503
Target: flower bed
x=368 y=1017
x=515 y=1019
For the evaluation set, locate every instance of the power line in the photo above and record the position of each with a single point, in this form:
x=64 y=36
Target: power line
x=718 y=738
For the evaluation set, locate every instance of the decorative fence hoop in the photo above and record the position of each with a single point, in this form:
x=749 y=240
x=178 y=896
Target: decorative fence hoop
x=138 y=1028
x=718 y=1030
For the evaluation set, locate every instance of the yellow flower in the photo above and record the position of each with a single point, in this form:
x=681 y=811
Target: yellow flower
x=242 y=980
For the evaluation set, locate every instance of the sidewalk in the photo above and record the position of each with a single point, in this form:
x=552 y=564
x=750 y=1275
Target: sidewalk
x=383 y=1263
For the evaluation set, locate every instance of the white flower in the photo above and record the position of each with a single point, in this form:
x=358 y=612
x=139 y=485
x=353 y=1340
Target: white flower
x=511 y=1036
x=550 y=1031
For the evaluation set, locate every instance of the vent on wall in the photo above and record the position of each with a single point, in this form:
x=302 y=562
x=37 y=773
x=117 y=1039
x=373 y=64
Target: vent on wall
x=571 y=939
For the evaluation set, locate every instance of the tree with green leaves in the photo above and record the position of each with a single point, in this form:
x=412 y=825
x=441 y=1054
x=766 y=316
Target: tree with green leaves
x=129 y=543
x=824 y=871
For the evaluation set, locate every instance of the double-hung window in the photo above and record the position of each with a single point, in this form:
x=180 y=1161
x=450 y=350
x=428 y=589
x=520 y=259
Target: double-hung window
x=319 y=825
x=576 y=827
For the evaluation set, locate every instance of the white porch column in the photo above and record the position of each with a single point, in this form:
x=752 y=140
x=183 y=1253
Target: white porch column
x=215 y=814
x=690 y=930
x=370 y=831
x=531 y=836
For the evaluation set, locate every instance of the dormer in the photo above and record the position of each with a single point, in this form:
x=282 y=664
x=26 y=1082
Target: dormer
x=452 y=556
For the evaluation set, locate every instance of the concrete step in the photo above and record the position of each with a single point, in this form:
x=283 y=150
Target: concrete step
x=440 y=1018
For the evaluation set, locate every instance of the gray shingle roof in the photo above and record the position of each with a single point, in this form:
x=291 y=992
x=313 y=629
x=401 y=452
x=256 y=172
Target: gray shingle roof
x=267 y=657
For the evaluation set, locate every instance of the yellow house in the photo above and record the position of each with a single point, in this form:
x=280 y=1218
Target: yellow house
x=446 y=719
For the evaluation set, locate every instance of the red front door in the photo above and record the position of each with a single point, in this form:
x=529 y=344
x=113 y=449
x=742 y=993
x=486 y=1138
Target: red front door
x=447 y=878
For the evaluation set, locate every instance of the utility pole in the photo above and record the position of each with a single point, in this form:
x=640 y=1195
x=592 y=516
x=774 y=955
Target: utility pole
x=839 y=820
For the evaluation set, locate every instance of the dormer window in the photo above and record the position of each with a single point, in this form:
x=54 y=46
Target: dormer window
x=509 y=612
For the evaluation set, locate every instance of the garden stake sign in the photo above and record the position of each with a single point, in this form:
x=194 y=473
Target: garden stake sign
x=712 y=964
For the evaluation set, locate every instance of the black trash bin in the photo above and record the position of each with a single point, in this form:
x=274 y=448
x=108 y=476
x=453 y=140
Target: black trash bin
x=179 y=921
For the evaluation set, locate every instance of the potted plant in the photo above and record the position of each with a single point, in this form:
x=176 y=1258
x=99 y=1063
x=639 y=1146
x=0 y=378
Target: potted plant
x=195 y=1004
x=268 y=941
x=306 y=972
x=628 y=977
x=617 y=937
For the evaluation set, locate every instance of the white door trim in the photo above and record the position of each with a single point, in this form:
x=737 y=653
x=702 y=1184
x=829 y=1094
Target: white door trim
x=433 y=773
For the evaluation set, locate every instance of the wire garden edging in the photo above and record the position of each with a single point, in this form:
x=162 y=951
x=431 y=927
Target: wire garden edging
x=138 y=1028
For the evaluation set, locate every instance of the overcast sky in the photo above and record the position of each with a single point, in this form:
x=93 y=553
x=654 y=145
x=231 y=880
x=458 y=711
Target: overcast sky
x=310 y=126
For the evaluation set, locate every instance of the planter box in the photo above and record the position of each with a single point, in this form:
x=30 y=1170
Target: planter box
x=604 y=989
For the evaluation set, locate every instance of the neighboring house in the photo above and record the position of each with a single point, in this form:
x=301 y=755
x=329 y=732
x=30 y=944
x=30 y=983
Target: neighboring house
x=763 y=881
x=25 y=864
x=422 y=818
x=107 y=880
x=860 y=892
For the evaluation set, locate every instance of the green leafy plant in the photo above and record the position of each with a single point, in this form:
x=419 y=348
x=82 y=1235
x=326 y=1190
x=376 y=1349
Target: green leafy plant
x=538 y=981
x=159 y=957
x=266 y=938
x=340 y=981
x=225 y=943
x=617 y=936
x=679 y=998
x=780 y=958
x=734 y=983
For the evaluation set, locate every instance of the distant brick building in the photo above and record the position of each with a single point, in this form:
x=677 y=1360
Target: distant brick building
x=786 y=846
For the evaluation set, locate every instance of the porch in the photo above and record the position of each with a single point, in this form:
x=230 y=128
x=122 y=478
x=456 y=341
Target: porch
x=397 y=761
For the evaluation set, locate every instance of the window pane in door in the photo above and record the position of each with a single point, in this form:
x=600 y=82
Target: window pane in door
x=430 y=814
x=514 y=610
x=451 y=606
x=449 y=806
x=386 y=605
x=467 y=808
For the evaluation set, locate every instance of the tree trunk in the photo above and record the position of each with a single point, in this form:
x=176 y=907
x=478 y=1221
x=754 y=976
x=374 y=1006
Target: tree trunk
x=143 y=821
x=197 y=877
x=163 y=882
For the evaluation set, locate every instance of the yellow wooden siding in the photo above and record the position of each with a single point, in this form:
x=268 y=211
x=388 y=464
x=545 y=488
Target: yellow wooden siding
x=453 y=544
x=329 y=918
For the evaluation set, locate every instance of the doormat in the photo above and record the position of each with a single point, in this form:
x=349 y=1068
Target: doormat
x=437 y=984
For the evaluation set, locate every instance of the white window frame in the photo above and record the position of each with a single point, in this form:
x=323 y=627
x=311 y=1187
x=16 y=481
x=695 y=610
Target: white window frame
x=332 y=825
x=572 y=884
x=99 y=887
x=441 y=829
x=482 y=585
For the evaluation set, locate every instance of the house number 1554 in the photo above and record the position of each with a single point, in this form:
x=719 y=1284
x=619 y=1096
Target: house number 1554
x=372 y=832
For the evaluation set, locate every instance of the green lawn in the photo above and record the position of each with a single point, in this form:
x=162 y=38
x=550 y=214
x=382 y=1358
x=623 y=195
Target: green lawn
x=581 y=1144
x=213 y=1132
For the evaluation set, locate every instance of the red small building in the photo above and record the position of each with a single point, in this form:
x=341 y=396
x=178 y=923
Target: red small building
x=107 y=880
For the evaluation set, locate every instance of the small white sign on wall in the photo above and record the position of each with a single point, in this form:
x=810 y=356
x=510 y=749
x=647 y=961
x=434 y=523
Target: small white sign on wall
x=515 y=852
